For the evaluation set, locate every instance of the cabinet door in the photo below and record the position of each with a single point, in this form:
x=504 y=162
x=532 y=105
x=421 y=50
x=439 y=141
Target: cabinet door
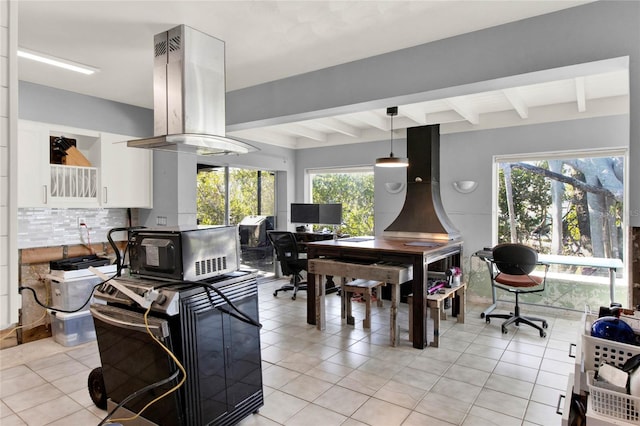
x=126 y=173
x=33 y=164
x=245 y=364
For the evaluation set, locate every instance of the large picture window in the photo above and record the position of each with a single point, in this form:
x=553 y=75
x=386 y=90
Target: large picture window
x=353 y=188
x=567 y=204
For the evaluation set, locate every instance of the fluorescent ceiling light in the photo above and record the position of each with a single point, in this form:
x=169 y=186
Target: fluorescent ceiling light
x=56 y=62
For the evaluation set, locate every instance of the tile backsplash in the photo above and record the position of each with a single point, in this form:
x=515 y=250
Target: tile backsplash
x=56 y=227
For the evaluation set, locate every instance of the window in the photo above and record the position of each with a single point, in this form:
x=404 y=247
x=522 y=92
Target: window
x=227 y=195
x=567 y=204
x=353 y=188
x=250 y=192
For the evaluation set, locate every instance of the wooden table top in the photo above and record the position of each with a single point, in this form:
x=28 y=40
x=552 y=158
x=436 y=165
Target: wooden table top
x=396 y=245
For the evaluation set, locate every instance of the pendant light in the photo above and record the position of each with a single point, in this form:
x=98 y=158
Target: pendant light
x=392 y=161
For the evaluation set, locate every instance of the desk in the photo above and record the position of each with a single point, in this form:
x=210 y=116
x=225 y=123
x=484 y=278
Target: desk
x=552 y=259
x=417 y=253
x=308 y=237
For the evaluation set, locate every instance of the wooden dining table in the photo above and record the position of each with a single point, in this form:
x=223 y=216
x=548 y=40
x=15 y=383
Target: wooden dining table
x=419 y=254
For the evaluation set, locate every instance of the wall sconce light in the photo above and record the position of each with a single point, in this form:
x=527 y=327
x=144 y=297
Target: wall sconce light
x=465 y=186
x=394 y=187
x=392 y=161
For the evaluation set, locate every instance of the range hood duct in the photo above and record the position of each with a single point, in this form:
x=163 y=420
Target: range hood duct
x=422 y=215
x=189 y=95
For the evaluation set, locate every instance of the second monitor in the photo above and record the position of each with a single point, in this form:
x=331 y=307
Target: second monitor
x=319 y=214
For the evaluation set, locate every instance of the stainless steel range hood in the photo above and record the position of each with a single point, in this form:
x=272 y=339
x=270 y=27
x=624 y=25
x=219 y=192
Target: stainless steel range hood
x=189 y=95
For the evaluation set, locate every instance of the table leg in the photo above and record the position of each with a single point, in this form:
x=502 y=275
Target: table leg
x=493 y=292
x=462 y=304
x=321 y=320
x=612 y=284
x=434 y=306
x=312 y=290
x=394 y=333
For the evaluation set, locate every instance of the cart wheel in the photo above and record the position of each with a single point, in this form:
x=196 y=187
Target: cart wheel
x=96 y=388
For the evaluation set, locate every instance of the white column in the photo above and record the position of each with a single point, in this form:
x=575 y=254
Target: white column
x=9 y=297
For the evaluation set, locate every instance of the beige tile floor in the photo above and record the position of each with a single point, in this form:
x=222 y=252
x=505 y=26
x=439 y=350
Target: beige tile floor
x=342 y=376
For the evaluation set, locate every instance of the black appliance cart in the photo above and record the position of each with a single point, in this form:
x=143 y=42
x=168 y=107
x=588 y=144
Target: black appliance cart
x=218 y=348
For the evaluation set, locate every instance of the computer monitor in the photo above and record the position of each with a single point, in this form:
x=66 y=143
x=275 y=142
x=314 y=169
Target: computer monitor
x=319 y=214
x=330 y=214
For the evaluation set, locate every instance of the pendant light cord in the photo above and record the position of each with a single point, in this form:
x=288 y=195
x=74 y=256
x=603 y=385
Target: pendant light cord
x=392 y=135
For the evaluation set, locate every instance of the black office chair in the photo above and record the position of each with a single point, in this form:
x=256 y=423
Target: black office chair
x=286 y=247
x=513 y=265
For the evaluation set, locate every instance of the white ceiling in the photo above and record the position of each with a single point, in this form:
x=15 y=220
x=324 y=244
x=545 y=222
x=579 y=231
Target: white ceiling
x=269 y=40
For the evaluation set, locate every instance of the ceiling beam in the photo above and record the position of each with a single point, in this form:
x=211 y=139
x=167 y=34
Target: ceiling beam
x=443 y=117
x=372 y=119
x=581 y=97
x=465 y=112
x=517 y=102
x=414 y=114
x=266 y=136
x=338 y=126
x=304 y=131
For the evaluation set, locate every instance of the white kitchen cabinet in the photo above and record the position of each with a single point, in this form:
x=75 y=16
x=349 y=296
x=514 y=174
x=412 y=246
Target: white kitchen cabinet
x=33 y=165
x=41 y=184
x=126 y=173
x=118 y=177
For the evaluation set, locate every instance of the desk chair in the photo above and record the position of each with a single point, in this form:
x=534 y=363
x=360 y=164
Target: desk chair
x=291 y=264
x=513 y=265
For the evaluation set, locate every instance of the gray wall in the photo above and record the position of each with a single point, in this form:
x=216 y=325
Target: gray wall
x=467 y=156
x=50 y=105
x=596 y=31
x=470 y=155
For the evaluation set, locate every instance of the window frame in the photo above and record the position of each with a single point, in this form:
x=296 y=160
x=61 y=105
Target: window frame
x=309 y=173
x=559 y=155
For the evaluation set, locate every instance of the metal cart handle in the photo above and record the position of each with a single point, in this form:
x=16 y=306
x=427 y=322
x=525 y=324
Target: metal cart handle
x=157 y=330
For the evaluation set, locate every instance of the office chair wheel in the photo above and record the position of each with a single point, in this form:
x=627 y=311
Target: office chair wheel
x=293 y=297
x=97 y=390
x=545 y=325
x=275 y=294
x=543 y=334
x=504 y=330
x=488 y=320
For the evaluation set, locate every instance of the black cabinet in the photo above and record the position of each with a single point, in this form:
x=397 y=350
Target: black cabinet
x=223 y=359
x=215 y=336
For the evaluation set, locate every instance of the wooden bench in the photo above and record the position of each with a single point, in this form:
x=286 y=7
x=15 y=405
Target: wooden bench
x=359 y=286
x=435 y=303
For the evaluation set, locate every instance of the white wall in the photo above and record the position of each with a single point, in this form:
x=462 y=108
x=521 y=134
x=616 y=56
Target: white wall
x=9 y=299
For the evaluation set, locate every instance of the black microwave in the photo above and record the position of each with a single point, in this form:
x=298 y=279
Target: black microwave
x=184 y=254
